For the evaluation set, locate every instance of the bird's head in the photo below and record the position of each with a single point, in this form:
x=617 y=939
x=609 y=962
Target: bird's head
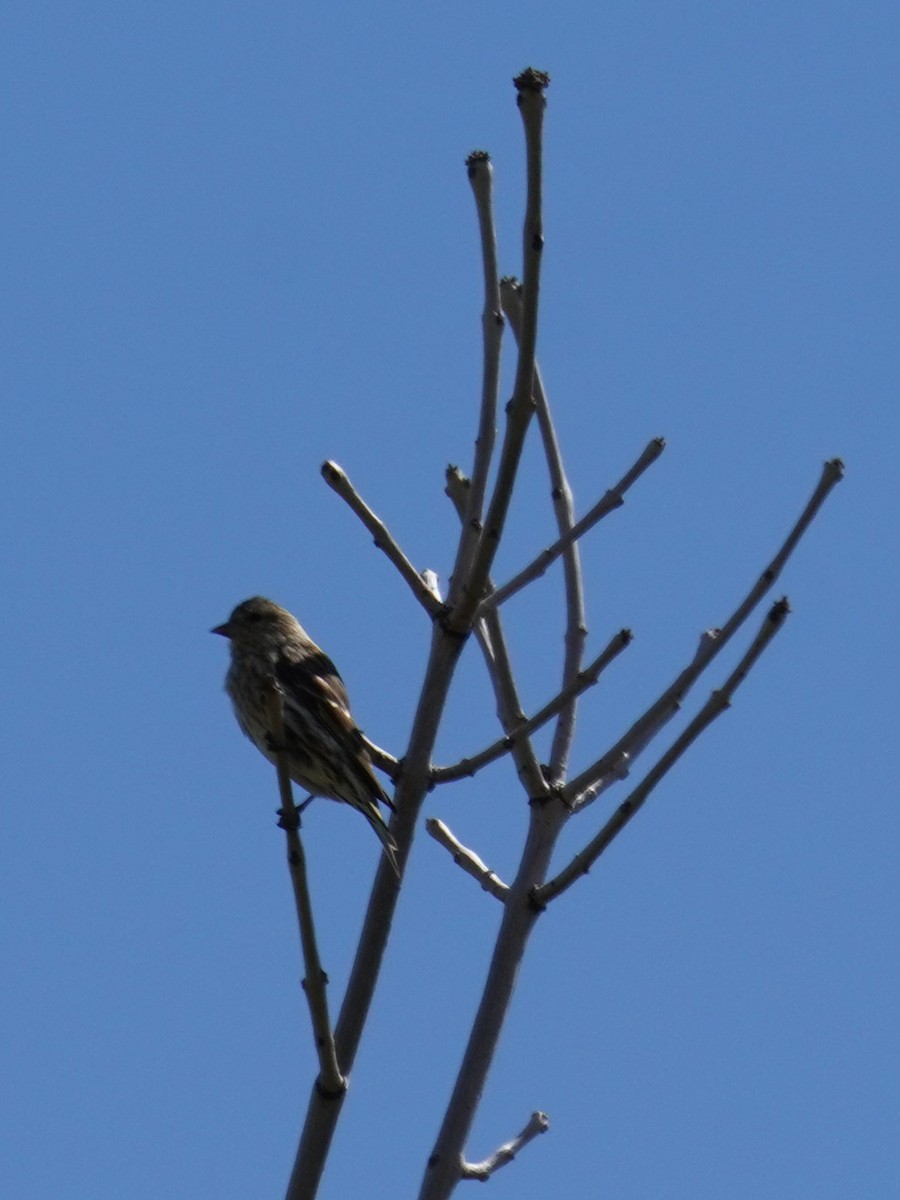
x=256 y=619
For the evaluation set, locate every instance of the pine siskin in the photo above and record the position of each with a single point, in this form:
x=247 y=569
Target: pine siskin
x=326 y=755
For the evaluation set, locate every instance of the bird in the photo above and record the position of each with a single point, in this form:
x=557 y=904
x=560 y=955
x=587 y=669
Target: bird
x=325 y=752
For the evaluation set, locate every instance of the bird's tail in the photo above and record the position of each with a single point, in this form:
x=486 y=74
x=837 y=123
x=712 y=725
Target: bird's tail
x=377 y=822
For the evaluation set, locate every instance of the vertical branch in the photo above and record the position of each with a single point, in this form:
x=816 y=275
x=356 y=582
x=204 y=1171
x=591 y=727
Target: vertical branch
x=481 y=178
x=531 y=85
x=576 y=622
x=330 y=1078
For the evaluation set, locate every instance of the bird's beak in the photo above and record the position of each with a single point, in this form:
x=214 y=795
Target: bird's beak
x=222 y=630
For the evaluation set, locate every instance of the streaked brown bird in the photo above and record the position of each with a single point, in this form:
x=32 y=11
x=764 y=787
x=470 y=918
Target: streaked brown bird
x=326 y=755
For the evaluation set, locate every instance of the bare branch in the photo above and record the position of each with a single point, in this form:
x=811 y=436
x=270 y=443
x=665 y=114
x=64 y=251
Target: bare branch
x=382 y=759
x=583 y=680
x=337 y=480
x=492 y=641
x=832 y=473
x=715 y=705
x=531 y=85
x=323 y=1110
x=664 y=708
x=537 y=1123
x=509 y=708
x=480 y=176
x=564 y=509
x=613 y=499
x=331 y=1081
x=616 y=768
x=467 y=859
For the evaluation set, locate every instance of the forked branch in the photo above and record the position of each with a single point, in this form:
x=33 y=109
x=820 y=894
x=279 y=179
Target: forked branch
x=715 y=705
x=597 y=776
x=585 y=679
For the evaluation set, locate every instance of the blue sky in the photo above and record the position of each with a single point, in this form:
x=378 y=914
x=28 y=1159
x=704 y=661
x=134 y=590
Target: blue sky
x=237 y=240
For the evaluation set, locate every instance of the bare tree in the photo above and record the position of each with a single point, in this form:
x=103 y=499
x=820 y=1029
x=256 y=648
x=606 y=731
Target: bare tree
x=473 y=606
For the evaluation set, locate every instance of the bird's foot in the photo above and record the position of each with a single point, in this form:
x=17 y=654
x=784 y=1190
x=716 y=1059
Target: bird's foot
x=289 y=820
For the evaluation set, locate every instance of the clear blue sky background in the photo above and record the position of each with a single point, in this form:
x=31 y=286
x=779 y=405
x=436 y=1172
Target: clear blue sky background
x=237 y=239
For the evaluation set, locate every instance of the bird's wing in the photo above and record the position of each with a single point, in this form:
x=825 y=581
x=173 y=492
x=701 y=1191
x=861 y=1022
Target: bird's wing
x=315 y=678
x=314 y=683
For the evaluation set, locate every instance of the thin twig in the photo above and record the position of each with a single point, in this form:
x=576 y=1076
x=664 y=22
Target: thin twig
x=480 y=173
x=617 y=763
x=509 y=709
x=608 y=503
x=537 y=1123
x=467 y=859
x=715 y=705
x=585 y=679
x=337 y=480
x=492 y=641
x=564 y=510
x=382 y=759
x=648 y=725
x=331 y=1081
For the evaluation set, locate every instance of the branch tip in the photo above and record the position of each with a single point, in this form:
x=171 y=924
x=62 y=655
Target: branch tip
x=339 y=482
x=476 y=159
x=538 y=1123
x=532 y=80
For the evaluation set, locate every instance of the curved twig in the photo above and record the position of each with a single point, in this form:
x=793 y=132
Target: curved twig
x=538 y=1123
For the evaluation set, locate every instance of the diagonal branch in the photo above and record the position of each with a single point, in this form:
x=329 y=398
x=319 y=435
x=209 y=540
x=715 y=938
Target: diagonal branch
x=537 y=1123
x=832 y=473
x=585 y=679
x=331 y=1080
x=467 y=859
x=382 y=759
x=613 y=499
x=337 y=480
x=715 y=705
x=664 y=708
